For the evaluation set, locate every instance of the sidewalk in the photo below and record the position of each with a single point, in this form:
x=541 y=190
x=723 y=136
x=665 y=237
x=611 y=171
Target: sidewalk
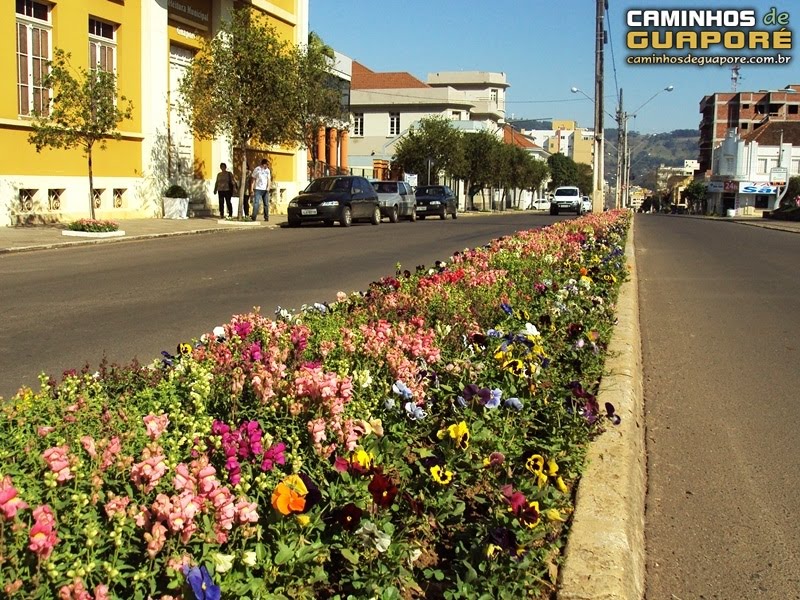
x=39 y=237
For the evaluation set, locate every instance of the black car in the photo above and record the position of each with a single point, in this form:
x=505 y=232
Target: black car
x=436 y=200
x=344 y=198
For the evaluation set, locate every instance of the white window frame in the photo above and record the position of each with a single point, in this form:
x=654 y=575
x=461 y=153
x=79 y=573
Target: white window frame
x=102 y=44
x=795 y=166
x=494 y=94
x=32 y=25
x=455 y=115
x=761 y=166
x=394 y=123
x=358 y=124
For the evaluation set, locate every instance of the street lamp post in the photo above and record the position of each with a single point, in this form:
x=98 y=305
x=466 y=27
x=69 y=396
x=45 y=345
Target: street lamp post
x=621 y=194
x=597 y=158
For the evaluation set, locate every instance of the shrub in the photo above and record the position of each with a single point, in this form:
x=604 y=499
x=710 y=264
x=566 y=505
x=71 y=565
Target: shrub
x=176 y=191
x=421 y=439
x=93 y=225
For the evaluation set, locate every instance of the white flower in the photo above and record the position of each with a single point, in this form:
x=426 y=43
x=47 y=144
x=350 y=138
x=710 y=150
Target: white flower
x=370 y=533
x=219 y=331
x=222 y=562
x=530 y=330
x=249 y=558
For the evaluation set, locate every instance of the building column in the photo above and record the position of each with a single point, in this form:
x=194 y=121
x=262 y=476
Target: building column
x=332 y=147
x=345 y=138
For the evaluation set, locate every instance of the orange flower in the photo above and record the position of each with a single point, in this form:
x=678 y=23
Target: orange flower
x=289 y=496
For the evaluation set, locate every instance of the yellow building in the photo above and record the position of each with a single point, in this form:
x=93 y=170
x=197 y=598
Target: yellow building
x=149 y=44
x=570 y=140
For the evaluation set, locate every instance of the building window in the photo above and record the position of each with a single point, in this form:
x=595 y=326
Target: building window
x=792 y=108
x=493 y=95
x=358 y=124
x=762 y=201
x=455 y=115
x=394 y=123
x=98 y=197
x=54 y=198
x=761 y=167
x=796 y=167
x=34 y=36
x=745 y=125
x=102 y=45
x=26 y=198
x=119 y=197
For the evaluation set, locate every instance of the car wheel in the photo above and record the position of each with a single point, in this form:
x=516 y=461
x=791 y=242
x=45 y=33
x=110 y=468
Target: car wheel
x=443 y=216
x=394 y=215
x=376 y=217
x=455 y=213
x=413 y=216
x=294 y=222
x=346 y=217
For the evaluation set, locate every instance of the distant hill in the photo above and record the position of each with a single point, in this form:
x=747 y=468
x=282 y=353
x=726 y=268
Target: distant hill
x=648 y=151
x=530 y=124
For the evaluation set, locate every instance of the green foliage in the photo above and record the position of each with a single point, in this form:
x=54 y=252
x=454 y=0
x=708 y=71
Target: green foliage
x=563 y=171
x=84 y=111
x=792 y=192
x=433 y=144
x=176 y=191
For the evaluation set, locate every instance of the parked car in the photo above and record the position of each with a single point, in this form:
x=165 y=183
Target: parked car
x=540 y=204
x=586 y=204
x=396 y=199
x=340 y=198
x=566 y=197
x=436 y=200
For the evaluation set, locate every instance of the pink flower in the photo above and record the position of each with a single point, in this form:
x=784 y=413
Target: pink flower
x=58 y=461
x=43 y=535
x=183 y=479
x=9 y=502
x=117 y=505
x=246 y=511
x=43 y=430
x=155 y=539
x=87 y=442
x=149 y=472
x=155 y=425
x=274 y=456
x=110 y=453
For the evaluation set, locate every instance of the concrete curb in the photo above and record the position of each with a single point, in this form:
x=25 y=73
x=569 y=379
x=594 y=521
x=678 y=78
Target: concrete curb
x=605 y=554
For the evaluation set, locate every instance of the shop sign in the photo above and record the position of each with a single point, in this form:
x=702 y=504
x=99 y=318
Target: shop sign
x=195 y=12
x=750 y=187
x=716 y=187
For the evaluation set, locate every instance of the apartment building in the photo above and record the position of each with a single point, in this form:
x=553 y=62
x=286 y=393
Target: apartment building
x=745 y=112
x=566 y=138
x=750 y=170
x=149 y=45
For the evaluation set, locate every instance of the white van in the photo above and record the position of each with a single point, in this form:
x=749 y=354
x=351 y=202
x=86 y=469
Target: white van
x=566 y=197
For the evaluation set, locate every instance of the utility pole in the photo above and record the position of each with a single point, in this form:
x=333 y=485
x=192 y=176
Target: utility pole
x=621 y=138
x=598 y=178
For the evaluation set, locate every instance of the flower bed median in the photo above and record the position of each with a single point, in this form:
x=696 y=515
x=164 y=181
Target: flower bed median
x=420 y=439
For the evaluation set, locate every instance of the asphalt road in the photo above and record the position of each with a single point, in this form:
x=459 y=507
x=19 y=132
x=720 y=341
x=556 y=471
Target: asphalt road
x=720 y=317
x=65 y=307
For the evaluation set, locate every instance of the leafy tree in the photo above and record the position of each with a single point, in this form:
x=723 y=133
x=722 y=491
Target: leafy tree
x=563 y=170
x=319 y=99
x=792 y=192
x=434 y=147
x=84 y=111
x=696 y=194
x=242 y=85
x=584 y=179
x=480 y=158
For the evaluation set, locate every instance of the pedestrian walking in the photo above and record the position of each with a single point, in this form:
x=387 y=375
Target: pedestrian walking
x=248 y=175
x=223 y=187
x=262 y=179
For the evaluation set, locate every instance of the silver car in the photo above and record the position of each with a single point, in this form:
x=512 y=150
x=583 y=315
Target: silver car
x=396 y=199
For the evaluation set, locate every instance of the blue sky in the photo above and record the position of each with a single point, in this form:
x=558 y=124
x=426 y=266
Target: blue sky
x=545 y=47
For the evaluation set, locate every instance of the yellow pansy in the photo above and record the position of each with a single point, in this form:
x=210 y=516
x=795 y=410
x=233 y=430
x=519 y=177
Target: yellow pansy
x=460 y=433
x=440 y=475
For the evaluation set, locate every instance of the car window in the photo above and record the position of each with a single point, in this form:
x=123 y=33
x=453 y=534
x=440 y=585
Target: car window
x=327 y=184
x=386 y=187
x=430 y=191
x=566 y=192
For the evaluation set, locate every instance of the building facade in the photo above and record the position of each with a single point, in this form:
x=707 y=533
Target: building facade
x=149 y=45
x=745 y=112
x=750 y=171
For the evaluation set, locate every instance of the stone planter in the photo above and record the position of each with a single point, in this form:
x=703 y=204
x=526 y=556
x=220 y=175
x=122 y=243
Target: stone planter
x=93 y=234
x=176 y=208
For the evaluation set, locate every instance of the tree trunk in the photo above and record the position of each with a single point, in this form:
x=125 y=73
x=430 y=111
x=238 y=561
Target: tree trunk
x=91 y=183
x=242 y=181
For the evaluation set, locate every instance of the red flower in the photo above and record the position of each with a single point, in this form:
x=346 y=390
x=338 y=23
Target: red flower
x=349 y=516
x=383 y=490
